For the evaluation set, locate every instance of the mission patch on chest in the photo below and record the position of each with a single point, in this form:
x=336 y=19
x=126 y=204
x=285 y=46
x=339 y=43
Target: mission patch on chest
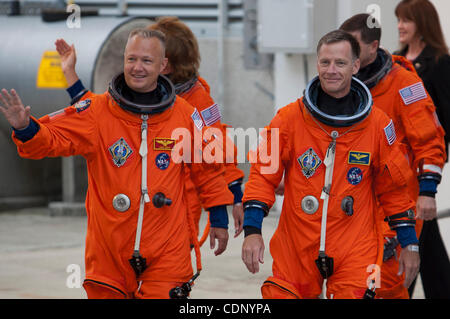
x=309 y=162
x=120 y=151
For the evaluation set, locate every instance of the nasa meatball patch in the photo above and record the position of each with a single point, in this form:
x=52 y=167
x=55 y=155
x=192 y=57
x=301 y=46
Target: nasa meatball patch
x=162 y=161
x=354 y=175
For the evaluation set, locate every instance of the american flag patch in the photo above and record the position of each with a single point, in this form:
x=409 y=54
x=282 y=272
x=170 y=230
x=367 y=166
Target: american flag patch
x=413 y=93
x=211 y=115
x=197 y=119
x=389 y=131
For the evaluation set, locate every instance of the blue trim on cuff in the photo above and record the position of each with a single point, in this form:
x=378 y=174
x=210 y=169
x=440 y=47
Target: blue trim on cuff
x=428 y=186
x=75 y=89
x=406 y=235
x=253 y=217
x=218 y=216
x=27 y=133
x=237 y=192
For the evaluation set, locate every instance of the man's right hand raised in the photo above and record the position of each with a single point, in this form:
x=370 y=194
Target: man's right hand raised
x=68 y=60
x=13 y=109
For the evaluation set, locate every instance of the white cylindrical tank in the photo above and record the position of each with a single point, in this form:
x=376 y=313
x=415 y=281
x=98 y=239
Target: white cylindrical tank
x=99 y=43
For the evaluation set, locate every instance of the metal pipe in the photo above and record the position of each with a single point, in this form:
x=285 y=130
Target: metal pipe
x=443 y=213
x=68 y=179
x=20 y=61
x=122 y=7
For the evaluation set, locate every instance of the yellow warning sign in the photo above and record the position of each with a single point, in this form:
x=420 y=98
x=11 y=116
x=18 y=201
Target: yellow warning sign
x=50 y=74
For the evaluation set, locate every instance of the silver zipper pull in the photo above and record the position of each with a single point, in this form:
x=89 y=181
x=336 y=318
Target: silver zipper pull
x=143 y=148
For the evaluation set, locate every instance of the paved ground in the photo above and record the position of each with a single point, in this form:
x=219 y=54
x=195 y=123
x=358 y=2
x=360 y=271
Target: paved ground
x=40 y=255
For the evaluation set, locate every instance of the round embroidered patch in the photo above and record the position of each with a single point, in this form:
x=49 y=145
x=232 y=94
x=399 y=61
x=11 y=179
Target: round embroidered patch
x=162 y=161
x=354 y=176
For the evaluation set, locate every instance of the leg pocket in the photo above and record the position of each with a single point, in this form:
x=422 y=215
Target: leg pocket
x=100 y=290
x=155 y=289
x=275 y=288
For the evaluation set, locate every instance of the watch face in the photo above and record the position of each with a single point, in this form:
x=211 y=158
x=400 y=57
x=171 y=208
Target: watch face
x=414 y=248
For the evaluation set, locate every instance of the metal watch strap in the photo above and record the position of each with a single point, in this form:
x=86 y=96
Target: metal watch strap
x=413 y=247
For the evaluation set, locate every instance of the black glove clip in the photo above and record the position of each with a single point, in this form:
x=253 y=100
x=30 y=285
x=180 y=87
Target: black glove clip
x=325 y=265
x=137 y=262
x=183 y=291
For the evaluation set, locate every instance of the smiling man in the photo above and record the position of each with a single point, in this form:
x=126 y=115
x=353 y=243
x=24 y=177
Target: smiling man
x=339 y=157
x=336 y=68
x=144 y=60
x=139 y=231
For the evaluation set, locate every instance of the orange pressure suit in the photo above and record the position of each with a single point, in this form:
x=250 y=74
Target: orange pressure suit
x=109 y=138
x=417 y=127
x=199 y=97
x=369 y=167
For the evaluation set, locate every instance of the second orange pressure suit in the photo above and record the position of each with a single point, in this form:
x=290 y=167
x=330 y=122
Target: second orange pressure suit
x=199 y=97
x=369 y=166
x=418 y=128
x=109 y=138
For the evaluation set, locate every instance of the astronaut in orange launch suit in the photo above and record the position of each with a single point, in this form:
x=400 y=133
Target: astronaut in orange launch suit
x=339 y=157
x=399 y=92
x=183 y=57
x=138 y=232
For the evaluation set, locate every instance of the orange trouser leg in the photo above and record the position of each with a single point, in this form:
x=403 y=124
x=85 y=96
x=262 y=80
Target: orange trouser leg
x=194 y=204
x=155 y=289
x=101 y=291
x=391 y=284
x=276 y=288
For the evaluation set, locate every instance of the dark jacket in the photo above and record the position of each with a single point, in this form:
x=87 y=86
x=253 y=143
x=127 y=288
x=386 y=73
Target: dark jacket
x=436 y=78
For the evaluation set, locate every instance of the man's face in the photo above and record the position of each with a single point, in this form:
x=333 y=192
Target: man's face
x=143 y=62
x=368 y=51
x=336 y=67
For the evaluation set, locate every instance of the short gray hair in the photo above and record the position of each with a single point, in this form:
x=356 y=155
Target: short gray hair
x=148 y=34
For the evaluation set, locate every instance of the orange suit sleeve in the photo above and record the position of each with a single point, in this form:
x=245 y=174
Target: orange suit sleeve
x=207 y=175
x=422 y=128
x=69 y=131
x=267 y=166
x=391 y=173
